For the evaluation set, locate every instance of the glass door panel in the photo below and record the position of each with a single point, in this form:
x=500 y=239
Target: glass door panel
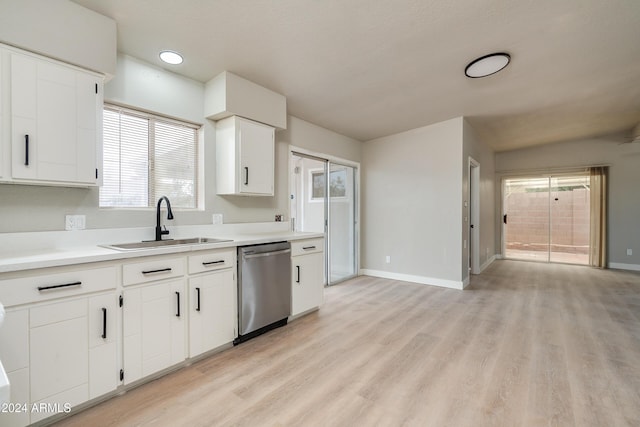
x=526 y=225
x=308 y=201
x=570 y=219
x=342 y=223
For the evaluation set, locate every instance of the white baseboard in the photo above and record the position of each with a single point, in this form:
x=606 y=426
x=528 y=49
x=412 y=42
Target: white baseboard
x=452 y=284
x=620 y=266
x=488 y=262
x=465 y=282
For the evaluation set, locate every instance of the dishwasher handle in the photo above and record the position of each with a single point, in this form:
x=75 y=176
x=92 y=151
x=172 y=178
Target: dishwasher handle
x=263 y=254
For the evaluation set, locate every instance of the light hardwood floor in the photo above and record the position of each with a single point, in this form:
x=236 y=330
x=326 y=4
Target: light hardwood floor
x=527 y=344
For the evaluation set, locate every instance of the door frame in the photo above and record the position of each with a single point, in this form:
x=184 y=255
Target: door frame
x=473 y=212
x=548 y=175
x=293 y=150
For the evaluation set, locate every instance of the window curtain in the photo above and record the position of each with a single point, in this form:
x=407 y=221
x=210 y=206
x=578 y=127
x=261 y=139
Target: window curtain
x=598 y=234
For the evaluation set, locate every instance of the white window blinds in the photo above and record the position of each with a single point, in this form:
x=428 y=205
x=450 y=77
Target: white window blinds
x=146 y=157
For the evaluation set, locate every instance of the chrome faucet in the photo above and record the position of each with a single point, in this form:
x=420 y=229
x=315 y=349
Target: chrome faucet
x=159 y=231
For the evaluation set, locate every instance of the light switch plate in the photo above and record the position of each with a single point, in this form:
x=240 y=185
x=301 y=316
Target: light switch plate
x=216 y=218
x=75 y=222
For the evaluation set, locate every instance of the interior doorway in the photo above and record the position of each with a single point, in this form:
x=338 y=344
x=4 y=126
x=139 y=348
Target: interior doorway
x=324 y=196
x=547 y=218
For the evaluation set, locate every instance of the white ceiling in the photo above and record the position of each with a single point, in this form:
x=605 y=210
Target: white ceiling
x=371 y=68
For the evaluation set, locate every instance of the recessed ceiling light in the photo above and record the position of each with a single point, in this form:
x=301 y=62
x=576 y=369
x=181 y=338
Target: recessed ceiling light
x=487 y=65
x=171 y=57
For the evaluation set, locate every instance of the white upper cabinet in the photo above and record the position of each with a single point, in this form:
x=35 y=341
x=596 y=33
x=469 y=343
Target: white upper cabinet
x=230 y=95
x=244 y=157
x=56 y=122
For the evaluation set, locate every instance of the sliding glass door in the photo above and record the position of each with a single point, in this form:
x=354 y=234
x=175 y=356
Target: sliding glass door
x=342 y=222
x=570 y=215
x=547 y=218
x=323 y=199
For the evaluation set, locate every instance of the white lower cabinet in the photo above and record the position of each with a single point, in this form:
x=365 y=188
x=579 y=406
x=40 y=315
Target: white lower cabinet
x=47 y=344
x=212 y=311
x=307 y=277
x=154 y=325
x=74 y=334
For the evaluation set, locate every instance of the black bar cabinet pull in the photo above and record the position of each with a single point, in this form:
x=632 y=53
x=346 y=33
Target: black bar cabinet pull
x=504 y=218
x=104 y=323
x=162 y=270
x=66 y=285
x=298 y=279
x=213 y=262
x=246 y=175
x=178 y=301
x=26 y=150
x=197 y=299
x=306 y=248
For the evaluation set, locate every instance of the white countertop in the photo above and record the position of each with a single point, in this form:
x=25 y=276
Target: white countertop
x=25 y=258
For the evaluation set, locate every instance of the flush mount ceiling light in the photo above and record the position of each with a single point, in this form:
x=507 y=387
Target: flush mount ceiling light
x=171 y=57
x=487 y=65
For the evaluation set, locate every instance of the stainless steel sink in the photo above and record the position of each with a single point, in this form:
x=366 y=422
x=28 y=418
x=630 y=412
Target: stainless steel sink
x=164 y=243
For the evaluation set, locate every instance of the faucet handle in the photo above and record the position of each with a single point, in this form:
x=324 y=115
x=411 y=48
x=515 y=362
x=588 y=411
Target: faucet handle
x=164 y=230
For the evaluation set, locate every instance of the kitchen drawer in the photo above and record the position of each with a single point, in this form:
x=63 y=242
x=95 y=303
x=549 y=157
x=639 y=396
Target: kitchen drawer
x=153 y=269
x=309 y=246
x=212 y=260
x=37 y=288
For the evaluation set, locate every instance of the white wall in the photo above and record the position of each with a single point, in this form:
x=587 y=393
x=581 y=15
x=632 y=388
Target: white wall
x=411 y=207
x=483 y=154
x=624 y=191
x=153 y=89
x=62 y=30
x=303 y=134
x=141 y=85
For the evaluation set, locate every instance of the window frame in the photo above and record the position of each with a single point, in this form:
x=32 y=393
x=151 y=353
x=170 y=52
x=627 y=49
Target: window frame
x=198 y=164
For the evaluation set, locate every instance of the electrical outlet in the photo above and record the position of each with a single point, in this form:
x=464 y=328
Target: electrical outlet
x=216 y=218
x=74 y=222
x=387 y=259
x=629 y=251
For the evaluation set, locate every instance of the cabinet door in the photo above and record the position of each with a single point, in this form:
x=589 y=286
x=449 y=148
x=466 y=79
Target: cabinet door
x=89 y=100
x=307 y=288
x=154 y=328
x=103 y=356
x=55 y=111
x=212 y=311
x=24 y=106
x=59 y=354
x=256 y=145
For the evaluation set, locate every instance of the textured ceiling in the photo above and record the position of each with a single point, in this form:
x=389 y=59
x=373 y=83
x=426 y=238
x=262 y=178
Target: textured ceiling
x=368 y=68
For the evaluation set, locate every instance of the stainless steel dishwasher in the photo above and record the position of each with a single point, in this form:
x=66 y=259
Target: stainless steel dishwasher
x=264 y=288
